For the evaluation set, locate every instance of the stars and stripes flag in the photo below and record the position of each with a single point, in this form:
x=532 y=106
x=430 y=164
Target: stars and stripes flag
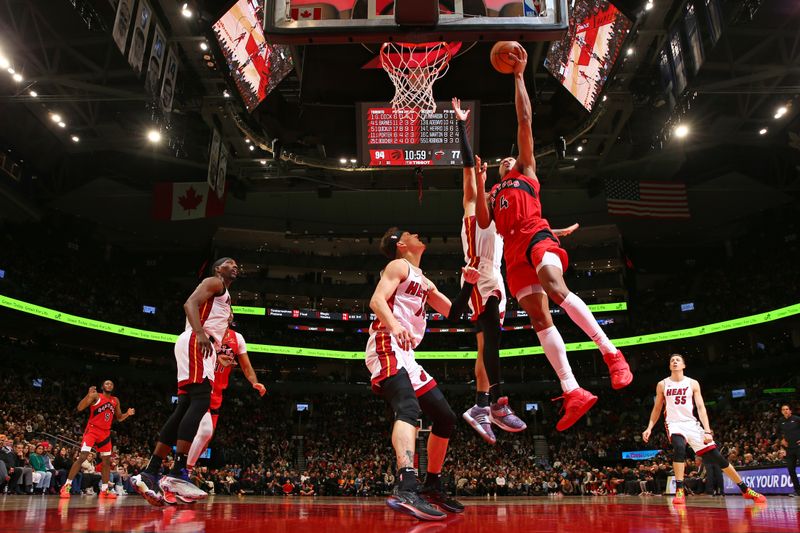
x=647 y=199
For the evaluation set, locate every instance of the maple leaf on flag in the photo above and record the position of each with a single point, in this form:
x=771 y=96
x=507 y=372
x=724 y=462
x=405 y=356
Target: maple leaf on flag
x=305 y=14
x=190 y=199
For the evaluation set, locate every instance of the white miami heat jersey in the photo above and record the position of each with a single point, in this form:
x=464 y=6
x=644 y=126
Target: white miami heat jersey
x=482 y=247
x=214 y=315
x=408 y=304
x=679 y=400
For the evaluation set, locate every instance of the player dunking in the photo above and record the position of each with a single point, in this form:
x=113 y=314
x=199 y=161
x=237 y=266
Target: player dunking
x=233 y=351
x=103 y=409
x=678 y=395
x=208 y=310
x=399 y=302
x=535 y=261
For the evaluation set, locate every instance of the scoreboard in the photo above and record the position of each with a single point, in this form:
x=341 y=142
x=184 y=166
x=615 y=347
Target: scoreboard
x=388 y=138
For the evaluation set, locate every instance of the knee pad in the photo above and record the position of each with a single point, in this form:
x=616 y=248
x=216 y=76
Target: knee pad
x=715 y=457
x=399 y=394
x=678 y=448
x=435 y=407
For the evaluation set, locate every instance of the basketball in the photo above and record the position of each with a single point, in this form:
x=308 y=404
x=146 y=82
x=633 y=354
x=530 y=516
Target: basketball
x=499 y=56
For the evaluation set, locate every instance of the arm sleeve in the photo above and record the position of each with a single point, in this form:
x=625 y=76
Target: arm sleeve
x=459 y=305
x=467 y=158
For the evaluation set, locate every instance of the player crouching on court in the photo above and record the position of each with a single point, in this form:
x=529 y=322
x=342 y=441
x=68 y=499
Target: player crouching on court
x=678 y=395
x=399 y=303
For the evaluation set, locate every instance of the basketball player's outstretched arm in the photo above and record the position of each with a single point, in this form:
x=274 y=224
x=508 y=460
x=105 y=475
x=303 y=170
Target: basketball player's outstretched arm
x=208 y=288
x=702 y=414
x=89 y=399
x=120 y=416
x=563 y=232
x=453 y=310
x=655 y=414
x=526 y=163
x=394 y=274
x=250 y=374
x=482 y=213
x=467 y=159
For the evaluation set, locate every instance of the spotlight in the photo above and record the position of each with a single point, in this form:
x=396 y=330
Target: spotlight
x=353 y=161
x=605 y=98
x=62 y=124
x=629 y=51
x=343 y=160
x=226 y=94
x=263 y=161
x=4 y=63
x=11 y=70
x=574 y=158
x=762 y=131
x=185 y=11
x=203 y=46
x=33 y=93
x=497 y=160
x=55 y=117
x=247 y=141
x=153 y=136
x=648 y=6
x=75 y=138
x=252 y=148
x=780 y=112
x=681 y=131
x=17 y=77
x=580 y=148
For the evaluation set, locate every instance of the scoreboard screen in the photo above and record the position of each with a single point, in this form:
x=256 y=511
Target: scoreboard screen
x=389 y=138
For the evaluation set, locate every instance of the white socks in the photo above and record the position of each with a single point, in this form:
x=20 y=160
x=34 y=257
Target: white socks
x=580 y=314
x=556 y=353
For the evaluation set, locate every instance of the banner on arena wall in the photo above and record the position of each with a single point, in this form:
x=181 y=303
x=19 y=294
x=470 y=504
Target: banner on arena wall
x=51 y=314
x=213 y=159
x=156 y=61
x=640 y=455
x=122 y=24
x=185 y=201
x=773 y=480
x=170 y=79
x=222 y=171
x=141 y=29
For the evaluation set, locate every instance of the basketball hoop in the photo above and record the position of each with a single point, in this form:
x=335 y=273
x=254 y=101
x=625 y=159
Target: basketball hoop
x=413 y=69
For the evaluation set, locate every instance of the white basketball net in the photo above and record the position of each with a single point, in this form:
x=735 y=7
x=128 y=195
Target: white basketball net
x=413 y=68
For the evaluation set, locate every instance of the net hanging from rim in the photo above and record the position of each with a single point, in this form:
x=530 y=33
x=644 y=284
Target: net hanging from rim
x=413 y=69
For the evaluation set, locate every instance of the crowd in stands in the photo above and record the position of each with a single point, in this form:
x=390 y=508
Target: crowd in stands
x=341 y=445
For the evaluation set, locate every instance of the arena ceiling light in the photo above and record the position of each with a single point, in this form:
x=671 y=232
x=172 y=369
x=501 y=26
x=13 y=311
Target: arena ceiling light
x=33 y=93
x=580 y=148
x=17 y=77
x=186 y=12
x=75 y=138
x=681 y=131
x=252 y=148
x=648 y=6
x=62 y=124
x=11 y=70
x=343 y=160
x=629 y=51
x=762 y=131
x=227 y=94
x=55 y=117
x=203 y=46
x=154 y=136
x=4 y=62
x=780 y=112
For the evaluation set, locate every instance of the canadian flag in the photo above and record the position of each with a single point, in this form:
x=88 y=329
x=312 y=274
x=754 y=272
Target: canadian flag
x=306 y=13
x=186 y=201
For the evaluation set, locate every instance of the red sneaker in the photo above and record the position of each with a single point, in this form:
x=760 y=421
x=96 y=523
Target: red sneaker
x=618 y=369
x=64 y=492
x=107 y=495
x=680 y=497
x=576 y=403
x=753 y=495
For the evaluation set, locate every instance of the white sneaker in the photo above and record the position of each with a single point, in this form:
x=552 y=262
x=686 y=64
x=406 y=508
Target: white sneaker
x=185 y=490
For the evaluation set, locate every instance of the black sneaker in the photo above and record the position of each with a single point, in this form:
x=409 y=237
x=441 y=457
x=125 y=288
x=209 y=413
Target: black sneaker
x=410 y=502
x=435 y=495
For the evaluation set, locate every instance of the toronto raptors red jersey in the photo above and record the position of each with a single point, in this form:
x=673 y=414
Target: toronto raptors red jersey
x=232 y=344
x=101 y=414
x=516 y=209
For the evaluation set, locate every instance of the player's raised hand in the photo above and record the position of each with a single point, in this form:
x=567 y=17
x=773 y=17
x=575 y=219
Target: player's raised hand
x=402 y=336
x=520 y=58
x=563 y=232
x=262 y=390
x=92 y=392
x=480 y=173
x=471 y=275
x=460 y=113
x=646 y=435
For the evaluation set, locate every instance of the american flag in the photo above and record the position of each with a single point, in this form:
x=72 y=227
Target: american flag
x=648 y=199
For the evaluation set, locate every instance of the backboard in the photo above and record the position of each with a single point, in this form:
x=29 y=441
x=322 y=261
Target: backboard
x=372 y=21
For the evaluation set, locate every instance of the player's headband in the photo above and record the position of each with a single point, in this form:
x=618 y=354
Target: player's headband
x=394 y=238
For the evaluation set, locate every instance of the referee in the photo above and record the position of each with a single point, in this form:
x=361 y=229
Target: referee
x=790 y=427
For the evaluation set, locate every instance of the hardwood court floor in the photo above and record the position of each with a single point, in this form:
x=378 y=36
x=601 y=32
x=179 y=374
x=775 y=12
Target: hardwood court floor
x=218 y=514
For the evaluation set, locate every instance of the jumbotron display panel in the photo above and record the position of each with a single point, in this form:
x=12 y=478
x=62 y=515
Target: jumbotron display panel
x=388 y=138
x=583 y=59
